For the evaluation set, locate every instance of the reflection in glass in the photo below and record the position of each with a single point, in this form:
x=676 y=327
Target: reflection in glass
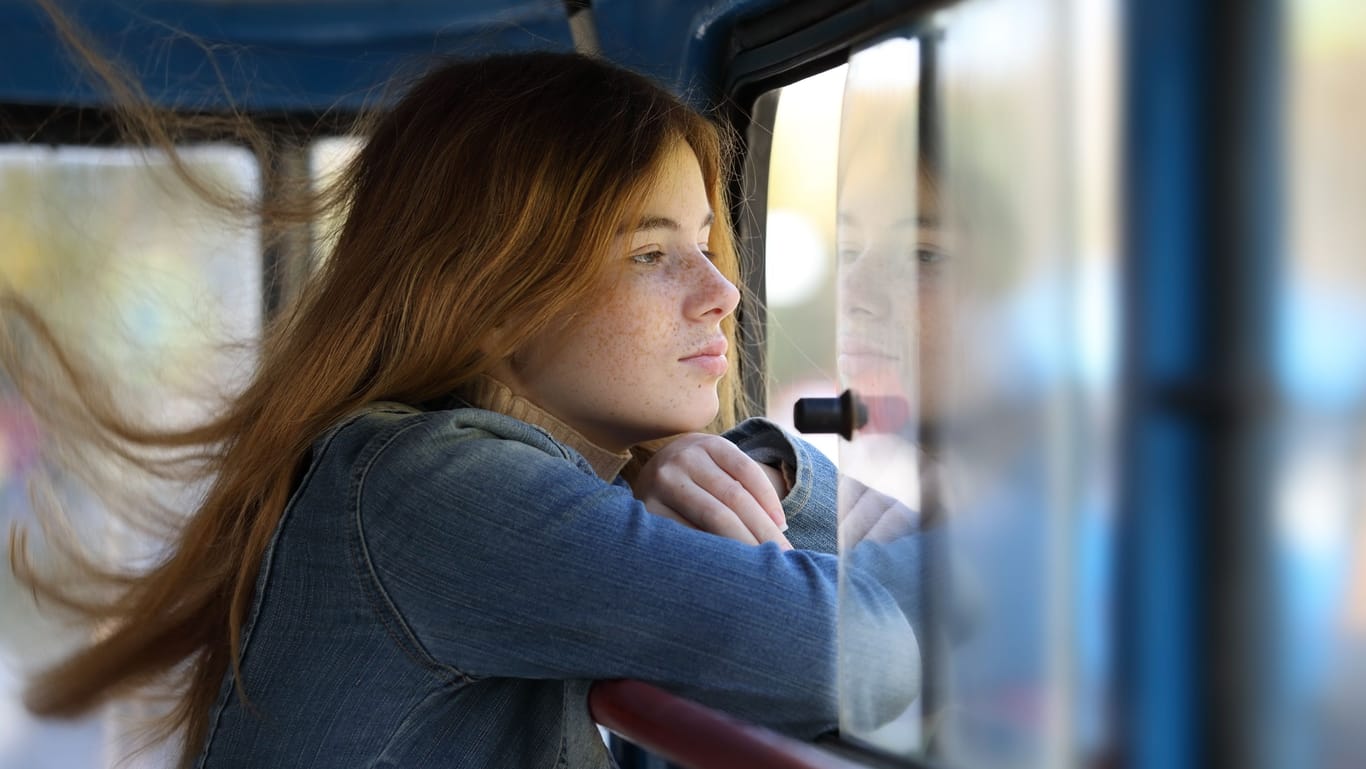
x=1028 y=181
x=889 y=311
x=976 y=320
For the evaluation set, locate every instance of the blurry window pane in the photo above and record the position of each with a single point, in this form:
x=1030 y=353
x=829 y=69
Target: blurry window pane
x=800 y=246
x=976 y=318
x=165 y=291
x=327 y=159
x=1321 y=500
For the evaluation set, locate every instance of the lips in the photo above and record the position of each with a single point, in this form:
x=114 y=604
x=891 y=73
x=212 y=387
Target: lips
x=709 y=359
x=855 y=347
x=714 y=349
x=869 y=367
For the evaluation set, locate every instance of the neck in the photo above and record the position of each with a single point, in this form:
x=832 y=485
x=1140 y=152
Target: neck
x=488 y=393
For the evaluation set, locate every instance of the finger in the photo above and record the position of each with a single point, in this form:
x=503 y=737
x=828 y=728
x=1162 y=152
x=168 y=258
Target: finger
x=704 y=510
x=895 y=521
x=859 y=514
x=656 y=507
x=751 y=476
x=689 y=477
x=874 y=515
x=738 y=499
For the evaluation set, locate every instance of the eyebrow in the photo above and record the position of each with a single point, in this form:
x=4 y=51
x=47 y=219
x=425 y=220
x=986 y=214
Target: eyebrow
x=652 y=222
x=924 y=220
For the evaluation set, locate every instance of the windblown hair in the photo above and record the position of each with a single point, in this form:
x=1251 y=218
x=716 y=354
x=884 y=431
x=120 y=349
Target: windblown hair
x=488 y=196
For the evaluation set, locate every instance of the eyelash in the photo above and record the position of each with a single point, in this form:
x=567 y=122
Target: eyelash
x=923 y=254
x=653 y=257
x=929 y=255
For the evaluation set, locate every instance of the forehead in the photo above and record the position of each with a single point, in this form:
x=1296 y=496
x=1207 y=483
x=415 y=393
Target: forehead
x=676 y=182
x=876 y=193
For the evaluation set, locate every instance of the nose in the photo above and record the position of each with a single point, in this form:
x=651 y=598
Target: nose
x=866 y=286
x=713 y=294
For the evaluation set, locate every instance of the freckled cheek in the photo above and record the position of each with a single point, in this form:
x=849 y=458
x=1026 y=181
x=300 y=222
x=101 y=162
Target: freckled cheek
x=597 y=351
x=616 y=346
x=635 y=333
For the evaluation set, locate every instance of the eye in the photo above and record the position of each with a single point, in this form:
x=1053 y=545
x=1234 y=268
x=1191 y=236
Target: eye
x=848 y=252
x=929 y=254
x=649 y=257
x=707 y=252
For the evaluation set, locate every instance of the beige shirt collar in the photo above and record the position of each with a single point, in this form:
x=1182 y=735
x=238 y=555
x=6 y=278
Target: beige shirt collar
x=488 y=393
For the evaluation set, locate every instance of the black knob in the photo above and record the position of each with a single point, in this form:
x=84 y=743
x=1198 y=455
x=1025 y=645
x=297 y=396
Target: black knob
x=842 y=415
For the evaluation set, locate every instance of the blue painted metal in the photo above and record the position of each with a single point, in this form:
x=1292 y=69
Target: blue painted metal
x=1166 y=344
x=291 y=55
x=1201 y=104
x=679 y=42
x=320 y=54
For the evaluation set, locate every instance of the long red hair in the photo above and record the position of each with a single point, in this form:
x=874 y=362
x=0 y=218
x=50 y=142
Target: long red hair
x=485 y=197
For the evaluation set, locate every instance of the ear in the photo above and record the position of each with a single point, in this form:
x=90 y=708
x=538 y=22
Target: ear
x=494 y=343
x=500 y=350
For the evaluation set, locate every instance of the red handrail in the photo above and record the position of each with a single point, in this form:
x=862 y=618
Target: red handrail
x=695 y=736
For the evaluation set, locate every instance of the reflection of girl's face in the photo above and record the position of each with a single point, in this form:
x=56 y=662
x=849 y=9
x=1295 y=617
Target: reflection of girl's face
x=894 y=285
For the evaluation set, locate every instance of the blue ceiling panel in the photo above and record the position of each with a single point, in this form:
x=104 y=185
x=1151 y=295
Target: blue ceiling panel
x=293 y=55
x=680 y=42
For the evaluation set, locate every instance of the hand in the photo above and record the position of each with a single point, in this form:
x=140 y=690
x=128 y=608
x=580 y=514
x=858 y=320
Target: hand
x=866 y=513
x=884 y=502
x=706 y=482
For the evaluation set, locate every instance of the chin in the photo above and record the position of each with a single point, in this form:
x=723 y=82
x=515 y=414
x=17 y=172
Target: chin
x=692 y=419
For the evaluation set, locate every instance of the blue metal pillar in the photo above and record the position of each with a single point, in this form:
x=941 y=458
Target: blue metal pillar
x=1202 y=104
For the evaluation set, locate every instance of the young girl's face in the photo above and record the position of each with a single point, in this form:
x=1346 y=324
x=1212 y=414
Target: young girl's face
x=644 y=361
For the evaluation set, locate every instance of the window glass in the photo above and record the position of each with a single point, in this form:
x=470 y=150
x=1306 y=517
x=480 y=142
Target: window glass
x=1321 y=499
x=799 y=239
x=166 y=292
x=890 y=275
x=327 y=159
x=976 y=323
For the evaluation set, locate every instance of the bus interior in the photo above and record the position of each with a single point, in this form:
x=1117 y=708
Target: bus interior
x=1090 y=276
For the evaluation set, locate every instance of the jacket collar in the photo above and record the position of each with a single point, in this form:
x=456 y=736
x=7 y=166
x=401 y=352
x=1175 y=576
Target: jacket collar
x=488 y=393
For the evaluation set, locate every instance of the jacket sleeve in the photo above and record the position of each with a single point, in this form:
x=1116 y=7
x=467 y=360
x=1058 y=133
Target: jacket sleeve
x=502 y=559
x=914 y=567
x=810 y=504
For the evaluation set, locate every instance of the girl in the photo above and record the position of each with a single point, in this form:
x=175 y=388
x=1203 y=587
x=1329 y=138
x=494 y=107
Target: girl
x=417 y=548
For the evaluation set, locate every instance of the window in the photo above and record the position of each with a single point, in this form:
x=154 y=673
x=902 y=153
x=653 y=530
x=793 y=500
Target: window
x=1320 y=505
x=941 y=241
x=124 y=260
x=799 y=254
x=327 y=159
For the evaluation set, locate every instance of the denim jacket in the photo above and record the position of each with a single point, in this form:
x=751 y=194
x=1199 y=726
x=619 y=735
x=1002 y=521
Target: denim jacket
x=444 y=586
